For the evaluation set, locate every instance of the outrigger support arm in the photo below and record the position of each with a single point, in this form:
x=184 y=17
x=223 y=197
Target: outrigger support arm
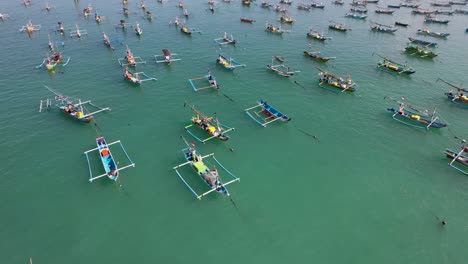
x=86 y=152
x=188 y=162
x=457 y=156
x=225 y=131
x=105 y=174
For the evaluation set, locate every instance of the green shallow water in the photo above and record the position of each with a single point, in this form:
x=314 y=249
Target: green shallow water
x=370 y=191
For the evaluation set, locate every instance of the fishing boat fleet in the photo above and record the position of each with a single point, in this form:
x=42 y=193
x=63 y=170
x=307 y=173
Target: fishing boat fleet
x=263 y=113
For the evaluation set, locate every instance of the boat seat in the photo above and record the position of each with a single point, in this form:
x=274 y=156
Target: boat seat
x=200 y=166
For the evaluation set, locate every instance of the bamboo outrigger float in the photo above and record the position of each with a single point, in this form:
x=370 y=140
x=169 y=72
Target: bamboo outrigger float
x=72 y=107
x=270 y=114
x=136 y=77
x=225 y=40
x=129 y=59
x=209 y=124
x=280 y=69
x=414 y=116
x=458 y=98
x=228 y=63
x=30 y=28
x=335 y=82
x=109 y=163
x=394 y=66
x=166 y=57
x=209 y=176
x=211 y=80
x=459 y=159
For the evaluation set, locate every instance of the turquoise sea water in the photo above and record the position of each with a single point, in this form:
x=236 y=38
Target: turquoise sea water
x=370 y=190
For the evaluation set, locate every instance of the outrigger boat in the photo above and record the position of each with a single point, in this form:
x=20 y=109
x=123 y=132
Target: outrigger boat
x=108 y=161
x=459 y=158
x=125 y=11
x=302 y=6
x=48 y=7
x=316 y=56
x=334 y=81
x=457 y=2
x=129 y=59
x=433 y=34
x=382 y=28
x=280 y=59
x=180 y=4
x=266 y=4
x=444 y=12
x=317 y=5
x=60 y=28
x=358 y=9
x=52 y=60
x=107 y=41
x=414 y=116
x=138 y=30
x=423 y=42
x=394 y=66
x=280 y=9
x=270 y=114
x=77 y=32
x=317 y=35
x=186 y=13
x=136 y=77
x=421 y=11
x=30 y=28
x=166 y=57
x=211 y=80
x=402 y=24
x=420 y=51
x=410 y=5
x=72 y=107
x=338 y=2
x=246 y=2
x=443 y=4
x=286 y=2
x=381 y=10
x=209 y=176
x=338 y=26
x=433 y=19
x=210 y=125
x=393 y=6
x=148 y=15
x=458 y=98
x=247 y=20
x=286 y=19
x=281 y=69
x=356 y=15
x=274 y=29
x=189 y=31
x=98 y=18
x=122 y=24
x=358 y=3
x=4 y=17
x=228 y=63
x=372 y=1
x=225 y=40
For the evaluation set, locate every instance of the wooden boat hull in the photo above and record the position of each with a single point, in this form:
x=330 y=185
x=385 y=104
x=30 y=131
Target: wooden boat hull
x=210 y=177
x=272 y=112
x=462 y=159
x=210 y=129
x=247 y=20
x=423 y=53
x=456 y=100
x=413 y=119
x=107 y=160
x=396 y=68
x=76 y=115
x=433 y=34
x=423 y=42
x=401 y=24
x=316 y=57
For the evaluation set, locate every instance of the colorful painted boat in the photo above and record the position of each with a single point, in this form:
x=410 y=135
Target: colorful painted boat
x=209 y=124
x=228 y=63
x=414 y=49
x=271 y=114
x=433 y=34
x=415 y=119
x=107 y=160
x=394 y=66
x=335 y=82
x=339 y=27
